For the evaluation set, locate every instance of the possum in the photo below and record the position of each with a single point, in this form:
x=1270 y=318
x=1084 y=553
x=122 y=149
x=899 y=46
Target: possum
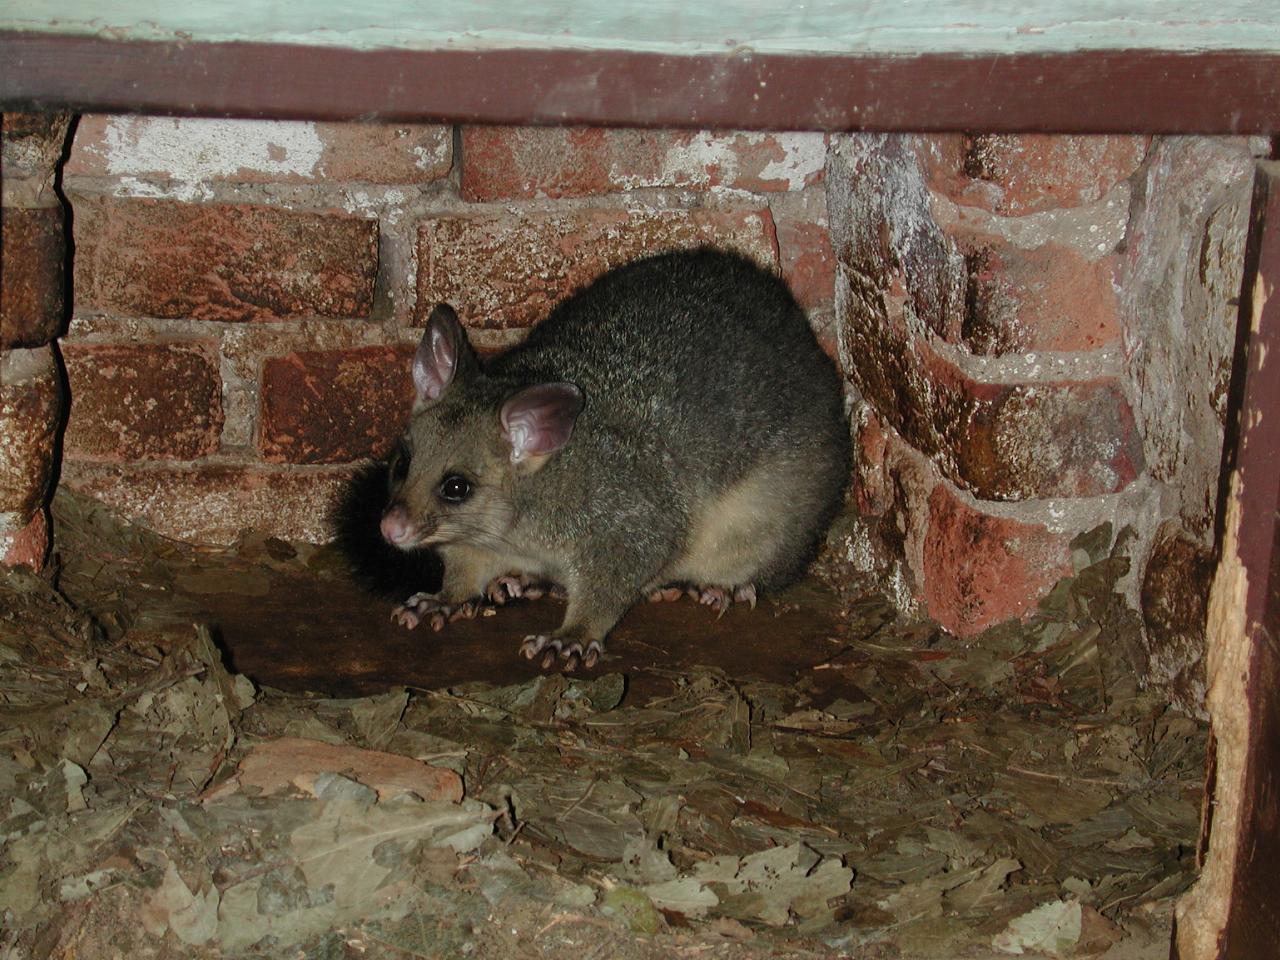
x=672 y=425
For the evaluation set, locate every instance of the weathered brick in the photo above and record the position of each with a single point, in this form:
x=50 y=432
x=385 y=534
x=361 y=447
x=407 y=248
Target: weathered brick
x=884 y=233
x=33 y=258
x=31 y=146
x=1048 y=298
x=501 y=163
x=1070 y=439
x=508 y=270
x=158 y=401
x=334 y=406
x=260 y=151
x=981 y=569
x=998 y=441
x=214 y=503
x=1018 y=174
x=804 y=247
x=31 y=405
x=872 y=485
x=221 y=262
x=27 y=546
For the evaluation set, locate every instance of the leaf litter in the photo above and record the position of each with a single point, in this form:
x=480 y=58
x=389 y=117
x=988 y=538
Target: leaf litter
x=913 y=795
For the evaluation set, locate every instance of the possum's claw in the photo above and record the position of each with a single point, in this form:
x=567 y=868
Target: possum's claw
x=666 y=594
x=506 y=588
x=427 y=607
x=410 y=613
x=721 y=599
x=534 y=644
x=520 y=587
x=551 y=648
x=718 y=599
x=466 y=611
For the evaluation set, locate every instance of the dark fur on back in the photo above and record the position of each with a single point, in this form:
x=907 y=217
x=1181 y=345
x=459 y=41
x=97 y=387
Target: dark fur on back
x=698 y=365
x=380 y=568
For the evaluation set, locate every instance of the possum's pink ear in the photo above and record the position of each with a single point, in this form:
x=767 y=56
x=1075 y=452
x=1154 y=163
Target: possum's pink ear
x=443 y=356
x=538 y=421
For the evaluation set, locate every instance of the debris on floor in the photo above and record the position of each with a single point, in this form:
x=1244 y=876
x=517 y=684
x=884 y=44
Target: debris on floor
x=901 y=794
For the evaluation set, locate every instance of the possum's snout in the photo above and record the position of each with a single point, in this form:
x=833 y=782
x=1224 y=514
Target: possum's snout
x=398 y=528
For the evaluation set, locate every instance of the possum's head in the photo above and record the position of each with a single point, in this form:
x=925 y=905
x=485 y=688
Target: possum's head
x=470 y=440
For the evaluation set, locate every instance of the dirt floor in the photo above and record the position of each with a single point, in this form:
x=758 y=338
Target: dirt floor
x=237 y=753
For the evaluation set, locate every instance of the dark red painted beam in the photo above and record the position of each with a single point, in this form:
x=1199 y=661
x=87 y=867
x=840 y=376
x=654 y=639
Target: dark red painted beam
x=1095 y=91
x=1253 y=923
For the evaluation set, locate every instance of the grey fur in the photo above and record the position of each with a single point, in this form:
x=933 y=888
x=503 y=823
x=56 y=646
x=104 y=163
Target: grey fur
x=711 y=443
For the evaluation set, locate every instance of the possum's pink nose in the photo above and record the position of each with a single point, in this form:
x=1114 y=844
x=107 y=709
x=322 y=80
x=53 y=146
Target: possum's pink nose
x=397 y=526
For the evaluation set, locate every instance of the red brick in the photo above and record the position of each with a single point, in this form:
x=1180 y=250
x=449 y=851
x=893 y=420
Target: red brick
x=998 y=441
x=148 y=402
x=334 y=406
x=508 y=270
x=27 y=547
x=385 y=153
x=804 y=247
x=32 y=144
x=214 y=503
x=500 y=163
x=1017 y=174
x=221 y=262
x=31 y=405
x=827 y=331
x=260 y=151
x=885 y=235
x=980 y=569
x=1049 y=298
x=872 y=483
x=33 y=258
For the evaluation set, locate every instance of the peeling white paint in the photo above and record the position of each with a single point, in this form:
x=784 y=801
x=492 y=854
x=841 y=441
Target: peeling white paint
x=706 y=156
x=804 y=156
x=186 y=191
x=194 y=150
x=428 y=158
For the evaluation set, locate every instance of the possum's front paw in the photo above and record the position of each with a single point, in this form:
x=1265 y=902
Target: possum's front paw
x=429 y=607
x=571 y=652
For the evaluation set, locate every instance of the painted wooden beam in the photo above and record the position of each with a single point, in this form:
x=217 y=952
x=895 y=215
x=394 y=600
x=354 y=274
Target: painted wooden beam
x=995 y=65
x=1100 y=91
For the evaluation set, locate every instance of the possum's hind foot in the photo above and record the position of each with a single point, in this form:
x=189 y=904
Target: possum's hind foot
x=721 y=599
x=429 y=608
x=666 y=594
x=573 y=654
x=718 y=599
x=518 y=586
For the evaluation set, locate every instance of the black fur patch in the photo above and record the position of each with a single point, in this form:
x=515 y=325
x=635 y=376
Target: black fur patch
x=380 y=568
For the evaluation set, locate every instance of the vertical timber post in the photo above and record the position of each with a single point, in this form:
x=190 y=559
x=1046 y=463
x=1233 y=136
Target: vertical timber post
x=1233 y=911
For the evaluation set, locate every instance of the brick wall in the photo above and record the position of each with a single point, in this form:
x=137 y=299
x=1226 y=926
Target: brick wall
x=248 y=295
x=32 y=316
x=1036 y=331
x=1039 y=333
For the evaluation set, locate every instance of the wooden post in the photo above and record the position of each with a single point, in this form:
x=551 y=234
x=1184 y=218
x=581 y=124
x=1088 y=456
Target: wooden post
x=1233 y=911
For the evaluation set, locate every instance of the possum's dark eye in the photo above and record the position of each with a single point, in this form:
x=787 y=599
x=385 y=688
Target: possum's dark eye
x=398 y=465
x=454 y=488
